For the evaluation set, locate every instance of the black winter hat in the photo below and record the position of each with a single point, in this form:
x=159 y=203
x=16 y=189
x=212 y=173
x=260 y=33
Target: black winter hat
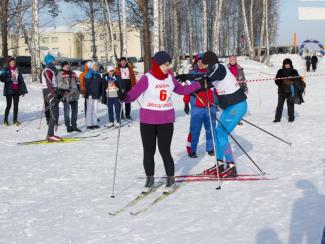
x=162 y=57
x=64 y=63
x=122 y=58
x=210 y=57
x=287 y=61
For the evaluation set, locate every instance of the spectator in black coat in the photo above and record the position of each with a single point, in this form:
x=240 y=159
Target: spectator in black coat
x=308 y=62
x=289 y=89
x=14 y=88
x=314 y=61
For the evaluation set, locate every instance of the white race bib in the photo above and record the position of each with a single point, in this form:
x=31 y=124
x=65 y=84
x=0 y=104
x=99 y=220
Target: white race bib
x=158 y=94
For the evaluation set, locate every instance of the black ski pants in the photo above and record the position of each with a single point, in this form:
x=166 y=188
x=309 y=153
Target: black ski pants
x=163 y=134
x=11 y=98
x=279 y=109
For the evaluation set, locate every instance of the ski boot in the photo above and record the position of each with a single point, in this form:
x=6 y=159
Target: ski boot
x=192 y=155
x=230 y=171
x=6 y=123
x=17 y=123
x=170 y=184
x=150 y=182
x=213 y=169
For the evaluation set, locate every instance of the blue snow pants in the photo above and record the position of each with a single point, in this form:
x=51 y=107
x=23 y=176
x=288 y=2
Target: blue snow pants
x=229 y=119
x=199 y=117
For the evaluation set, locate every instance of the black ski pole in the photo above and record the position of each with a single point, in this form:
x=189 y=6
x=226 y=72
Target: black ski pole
x=116 y=154
x=44 y=110
x=288 y=143
x=238 y=144
x=213 y=135
x=244 y=151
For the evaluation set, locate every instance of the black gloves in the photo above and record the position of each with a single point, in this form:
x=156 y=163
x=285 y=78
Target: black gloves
x=205 y=83
x=187 y=108
x=183 y=77
x=121 y=92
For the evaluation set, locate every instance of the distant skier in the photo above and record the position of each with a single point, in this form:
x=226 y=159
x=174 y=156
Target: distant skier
x=314 y=61
x=199 y=112
x=157 y=115
x=287 y=89
x=51 y=96
x=14 y=87
x=308 y=62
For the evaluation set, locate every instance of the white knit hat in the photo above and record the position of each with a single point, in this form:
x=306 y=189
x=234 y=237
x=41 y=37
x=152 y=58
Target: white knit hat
x=110 y=68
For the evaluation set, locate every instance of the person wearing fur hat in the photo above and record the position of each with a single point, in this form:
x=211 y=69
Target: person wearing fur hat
x=157 y=115
x=126 y=72
x=111 y=85
x=68 y=85
x=287 y=89
x=14 y=87
x=51 y=96
x=200 y=112
x=93 y=85
x=232 y=101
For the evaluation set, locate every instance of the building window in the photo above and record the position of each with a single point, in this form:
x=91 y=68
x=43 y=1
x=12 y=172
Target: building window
x=103 y=49
x=102 y=37
x=55 y=39
x=45 y=40
x=114 y=36
x=92 y=49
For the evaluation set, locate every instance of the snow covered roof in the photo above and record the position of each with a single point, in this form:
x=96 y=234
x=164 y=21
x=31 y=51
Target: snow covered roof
x=60 y=29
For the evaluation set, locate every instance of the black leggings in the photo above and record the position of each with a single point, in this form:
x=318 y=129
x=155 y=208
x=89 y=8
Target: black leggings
x=11 y=98
x=164 y=134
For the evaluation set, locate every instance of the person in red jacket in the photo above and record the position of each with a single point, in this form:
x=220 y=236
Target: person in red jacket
x=200 y=112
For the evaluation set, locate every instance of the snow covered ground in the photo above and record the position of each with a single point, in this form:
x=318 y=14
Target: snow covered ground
x=60 y=193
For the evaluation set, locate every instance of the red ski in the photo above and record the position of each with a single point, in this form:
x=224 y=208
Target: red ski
x=238 y=178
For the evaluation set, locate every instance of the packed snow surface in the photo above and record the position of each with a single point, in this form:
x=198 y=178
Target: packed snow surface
x=60 y=193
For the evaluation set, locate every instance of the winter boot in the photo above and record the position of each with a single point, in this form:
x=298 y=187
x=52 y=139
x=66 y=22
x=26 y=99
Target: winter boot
x=17 y=123
x=76 y=129
x=230 y=171
x=170 y=184
x=54 y=139
x=276 y=121
x=6 y=123
x=150 y=182
x=110 y=124
x=192 y=155
x=117 y=125
x=69 y=129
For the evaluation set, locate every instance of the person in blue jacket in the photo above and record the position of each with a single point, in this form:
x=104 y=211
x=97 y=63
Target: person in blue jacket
x=200 y=112
x=93 y=84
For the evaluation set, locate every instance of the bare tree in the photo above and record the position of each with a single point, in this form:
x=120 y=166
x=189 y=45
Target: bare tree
x=4 y=28
x=35 y=42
